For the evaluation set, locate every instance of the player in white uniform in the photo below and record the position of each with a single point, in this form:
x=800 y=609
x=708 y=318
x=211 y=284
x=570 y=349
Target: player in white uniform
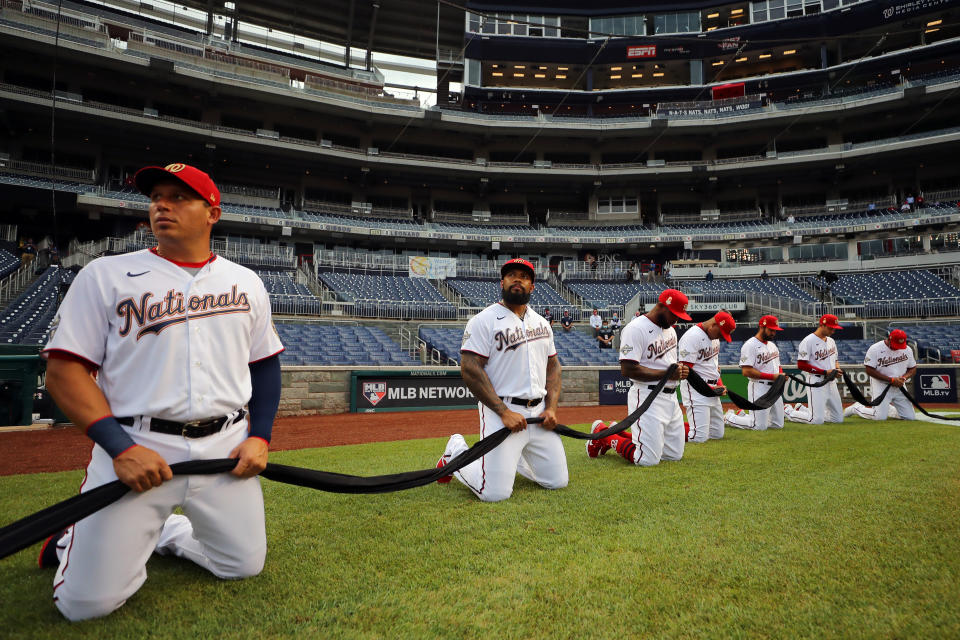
x=888 y=362
x=817 y=358
x=509 y=362
x=760 y=362
x=181 y=340
x=648 y=346
x=699 y=349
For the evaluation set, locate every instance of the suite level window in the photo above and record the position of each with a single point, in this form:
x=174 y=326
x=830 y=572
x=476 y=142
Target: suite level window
x=683 y=22
x=617 y=26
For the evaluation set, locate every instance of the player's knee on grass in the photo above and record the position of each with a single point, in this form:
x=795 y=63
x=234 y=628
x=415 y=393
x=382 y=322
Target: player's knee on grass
x=245 y=566
x=557 y=483
x=75 y=609
x=499 y=495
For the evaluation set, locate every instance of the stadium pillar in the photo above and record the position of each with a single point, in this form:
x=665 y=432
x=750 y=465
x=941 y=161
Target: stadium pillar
x=926 y=242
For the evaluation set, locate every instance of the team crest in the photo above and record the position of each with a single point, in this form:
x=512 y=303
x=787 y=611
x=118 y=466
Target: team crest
x=466 y=336
x=374 y=392
x=625 y=349
x=176 y=167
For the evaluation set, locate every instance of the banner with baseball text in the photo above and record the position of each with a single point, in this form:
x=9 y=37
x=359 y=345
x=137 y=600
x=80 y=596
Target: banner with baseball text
x=373 y=392
x=433 y=268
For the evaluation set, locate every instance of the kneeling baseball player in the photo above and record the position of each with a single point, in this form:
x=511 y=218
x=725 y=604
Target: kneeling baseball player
x=648 y=346
x=760 y=363
x=817 y=358
x=700 y=351
x=509 y=362
x=181 y=340
x=888 y=362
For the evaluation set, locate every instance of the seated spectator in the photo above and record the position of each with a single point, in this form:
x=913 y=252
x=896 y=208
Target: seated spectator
x=605 y=336
x=764 y=275
x=566 y=321
x=596 y=321
x=709 y=277
x=615 y=322
x=548 y=316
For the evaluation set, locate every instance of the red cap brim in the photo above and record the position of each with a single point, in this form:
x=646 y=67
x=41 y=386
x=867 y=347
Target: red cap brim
x=726 y=336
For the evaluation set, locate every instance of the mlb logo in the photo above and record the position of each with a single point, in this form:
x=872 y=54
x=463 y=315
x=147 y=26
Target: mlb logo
x=374 y=392
x=935 y=382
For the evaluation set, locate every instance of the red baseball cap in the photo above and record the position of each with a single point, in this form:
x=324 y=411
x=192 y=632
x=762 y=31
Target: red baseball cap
x=830 y=320
x=898 y=339
x=515 y=264
x=725 y=321
x=770 y=322
x=676 y=301
x=197 y=180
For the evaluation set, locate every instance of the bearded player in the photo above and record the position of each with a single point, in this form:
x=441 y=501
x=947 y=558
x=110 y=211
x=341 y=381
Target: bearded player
x=509 y=362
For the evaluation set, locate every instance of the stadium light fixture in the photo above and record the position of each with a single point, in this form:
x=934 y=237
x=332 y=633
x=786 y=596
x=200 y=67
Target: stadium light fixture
x=561 y=76
x=710 y=16
x=736 y=12
x=658 y=74
x=519 y=66
x=934 y=23
x=711 y=28
x=743 y=59
x=931 y=30
x=637 y=75
x=562 y=69
x=616 y=68
x=539 y=75
x=717 y=63
x=764 y=56
x=789 y=52
x=518 y=75
x=497 y=74
x=616 y=77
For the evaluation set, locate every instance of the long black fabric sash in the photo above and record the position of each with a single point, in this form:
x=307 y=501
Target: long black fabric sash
x=859 y=397
x=40 y=525
x=773 y=394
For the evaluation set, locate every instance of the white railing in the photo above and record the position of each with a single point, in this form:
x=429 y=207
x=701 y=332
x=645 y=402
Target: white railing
x=11 y=286
x=48 y=170
x=942 y=194
x=469 y=218
x=8 y=232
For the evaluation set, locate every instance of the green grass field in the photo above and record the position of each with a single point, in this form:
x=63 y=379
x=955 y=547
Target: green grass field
x=845 y=531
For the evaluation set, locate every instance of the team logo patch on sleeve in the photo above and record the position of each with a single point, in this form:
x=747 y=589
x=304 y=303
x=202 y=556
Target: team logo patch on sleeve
x=374 y=392
x=466 y=336
x=625 y=349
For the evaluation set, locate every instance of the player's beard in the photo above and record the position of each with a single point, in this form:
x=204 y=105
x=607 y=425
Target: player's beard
x=513 y=297
x=665 y=320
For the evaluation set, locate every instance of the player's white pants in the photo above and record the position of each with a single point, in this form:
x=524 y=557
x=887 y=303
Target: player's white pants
x=658 y=434
x=535 y=453
x=763 y=419
x=704 y=414
x=104 y=562
x=823 y=404
x=895 y=397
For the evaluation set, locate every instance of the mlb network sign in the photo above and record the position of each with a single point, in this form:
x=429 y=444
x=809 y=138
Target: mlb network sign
x=409 y=391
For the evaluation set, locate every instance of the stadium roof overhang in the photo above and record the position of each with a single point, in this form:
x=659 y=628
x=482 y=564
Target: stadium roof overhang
x=399 y=27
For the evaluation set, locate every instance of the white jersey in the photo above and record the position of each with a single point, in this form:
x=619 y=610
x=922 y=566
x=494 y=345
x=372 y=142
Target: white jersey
x=169 y=344
x=699 y=350
x=516 y=349
x=596 y=321
x=649 y=345
x=890 y=362
x=762 y=356
x=820 y=353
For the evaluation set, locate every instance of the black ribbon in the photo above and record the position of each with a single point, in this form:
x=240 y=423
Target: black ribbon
x=859 y=397
x=40 y=525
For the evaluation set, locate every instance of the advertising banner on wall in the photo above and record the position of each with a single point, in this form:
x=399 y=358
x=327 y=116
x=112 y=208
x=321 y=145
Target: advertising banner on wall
x=935 y=385
x=433 y=268
x=373 y=392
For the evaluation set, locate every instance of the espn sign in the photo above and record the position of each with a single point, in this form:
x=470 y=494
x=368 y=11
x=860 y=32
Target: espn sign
x=645 y=51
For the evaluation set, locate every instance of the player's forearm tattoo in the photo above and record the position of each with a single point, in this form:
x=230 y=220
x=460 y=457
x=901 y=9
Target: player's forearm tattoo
x=553 y=383
x=471 y=368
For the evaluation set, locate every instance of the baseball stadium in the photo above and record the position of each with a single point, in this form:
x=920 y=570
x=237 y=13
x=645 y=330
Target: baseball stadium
x=670 y=289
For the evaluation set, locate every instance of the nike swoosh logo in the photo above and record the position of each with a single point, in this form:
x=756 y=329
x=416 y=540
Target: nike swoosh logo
x=134 y=275
x=501 y=317
x=650 y=331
